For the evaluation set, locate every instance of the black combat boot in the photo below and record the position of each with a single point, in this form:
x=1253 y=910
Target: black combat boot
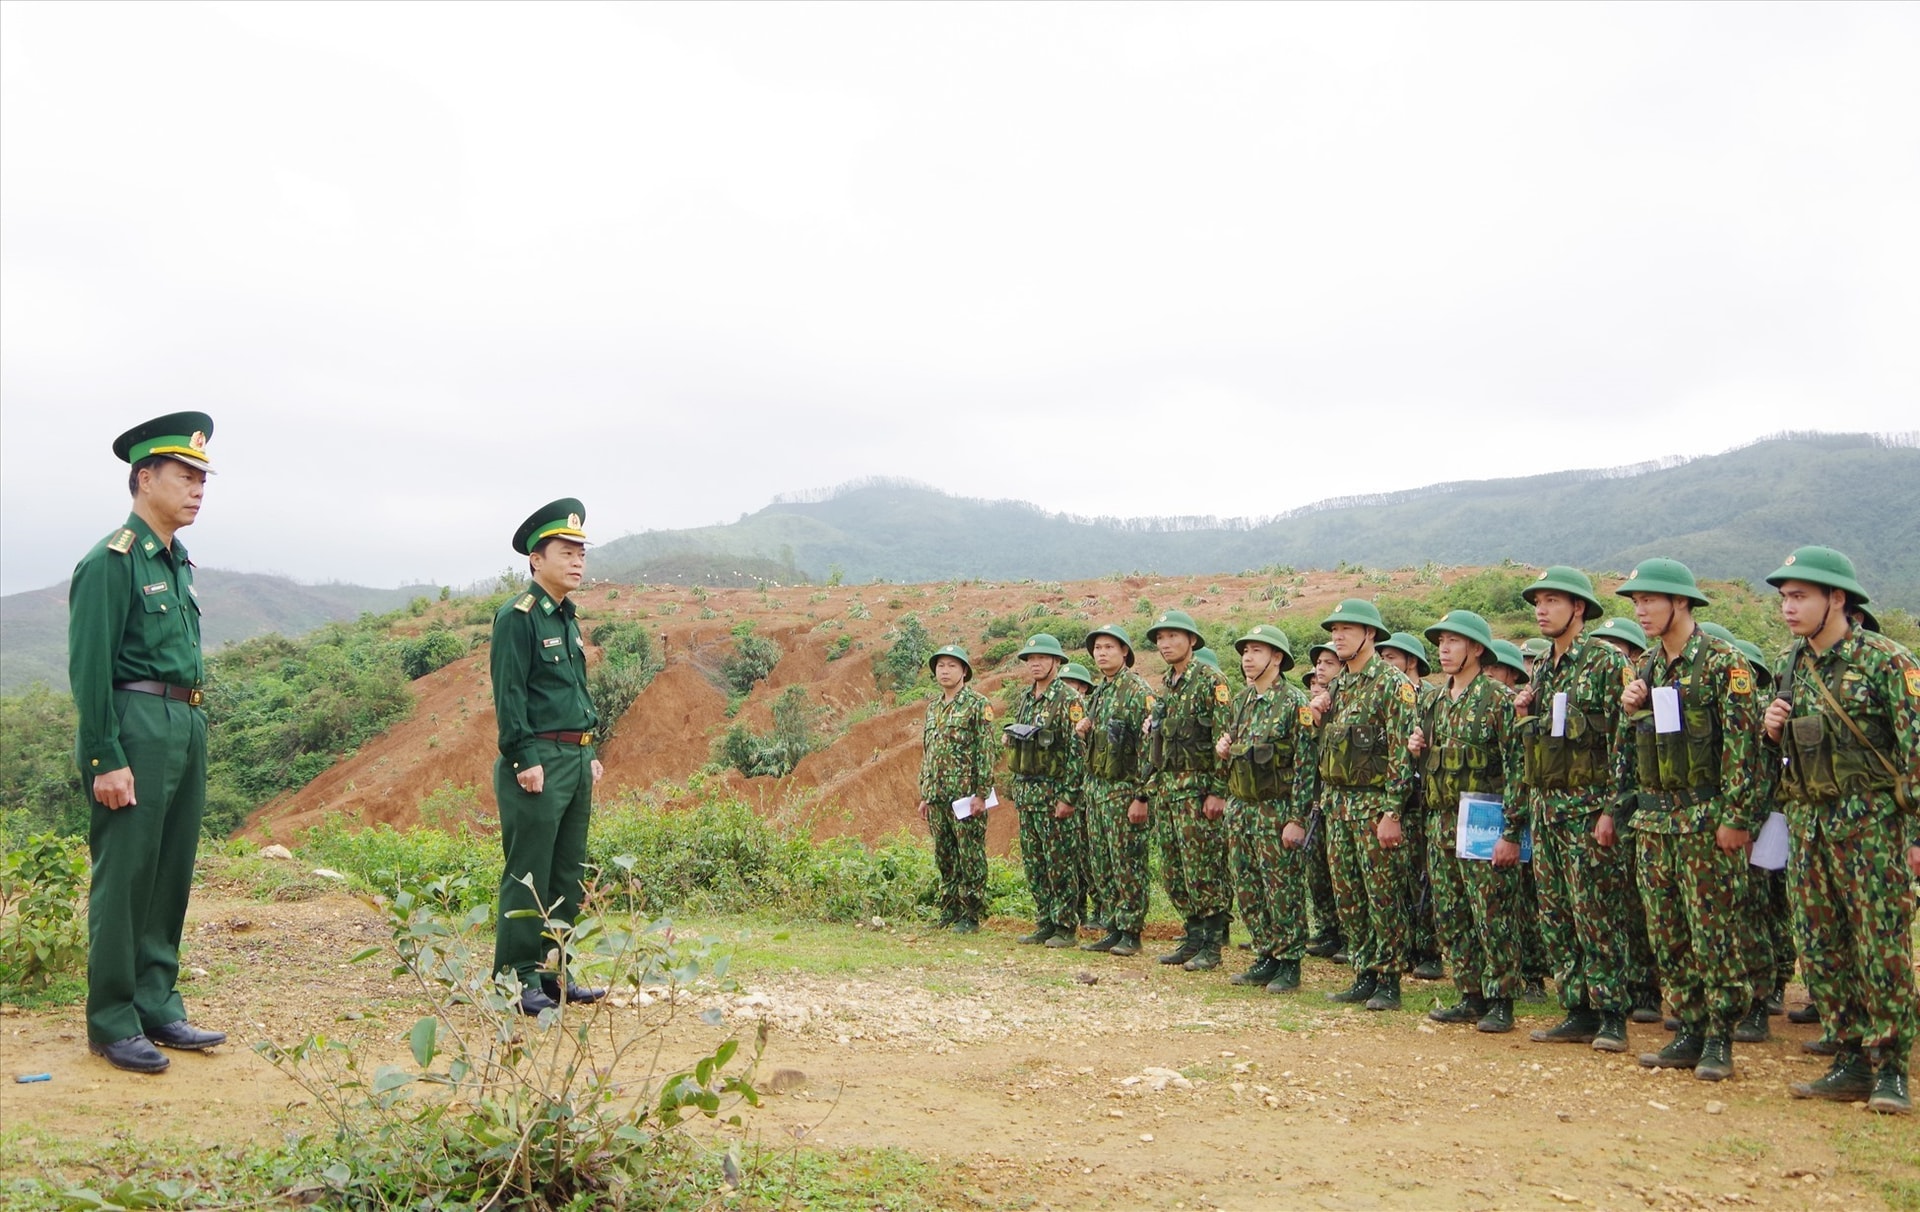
x=1826 y=1045
x=1777 y=1001
x=1683 y=1053
x=1286 y=976
x=1386 y=993
x=1213 y=931
x=1535 y=989
x=1129 y=944
x=1326 y=945
x=1264 y=967
x=1612 y=1035
x=1716 y=1058
x=1499 y=1019
x=1471 y=1008
x=1042 y=931
x=1428 y=969
x=1365 y=982
x=1890 y=1095
x=1646 y=1003
x=1808 y=1013
x=1105 y=944
x=1754 y=1028
x=1579 y=1027
x=1849 y=1080
x=1190 y=942
x=1062 y=937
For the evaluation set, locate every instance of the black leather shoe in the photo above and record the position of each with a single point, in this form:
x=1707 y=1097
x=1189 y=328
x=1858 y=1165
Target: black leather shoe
x=133 y=1054
x=534 y=1001
x=575 y=993
x=183 y=1034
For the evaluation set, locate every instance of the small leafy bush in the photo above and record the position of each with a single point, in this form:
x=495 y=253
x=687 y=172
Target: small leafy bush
x=42 y=934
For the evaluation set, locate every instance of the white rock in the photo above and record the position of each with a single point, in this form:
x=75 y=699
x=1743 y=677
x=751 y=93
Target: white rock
x=326 y=873
x=275 y=851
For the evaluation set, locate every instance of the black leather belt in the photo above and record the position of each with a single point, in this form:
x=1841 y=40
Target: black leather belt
x=193 y=696
x=566 y=738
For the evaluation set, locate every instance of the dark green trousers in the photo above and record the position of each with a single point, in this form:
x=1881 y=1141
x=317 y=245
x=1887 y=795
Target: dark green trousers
x=544 y=836
x=143 y=869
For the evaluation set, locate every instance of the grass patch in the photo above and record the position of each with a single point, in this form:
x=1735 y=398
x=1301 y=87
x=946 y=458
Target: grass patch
x=1879 y=1152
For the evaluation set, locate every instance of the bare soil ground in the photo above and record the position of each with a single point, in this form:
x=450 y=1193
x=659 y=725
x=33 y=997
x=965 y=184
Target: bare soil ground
x=1044 y=1079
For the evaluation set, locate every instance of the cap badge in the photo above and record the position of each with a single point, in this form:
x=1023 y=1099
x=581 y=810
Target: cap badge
x=198 y=441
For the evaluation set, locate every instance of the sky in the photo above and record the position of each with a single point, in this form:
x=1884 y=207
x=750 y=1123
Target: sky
x=431 y=265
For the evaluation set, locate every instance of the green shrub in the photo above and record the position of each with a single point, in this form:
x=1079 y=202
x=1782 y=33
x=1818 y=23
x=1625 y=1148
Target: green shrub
x=905 y=661
x=777 y=751
x=39 y=783
x=42 y=933
x=424 y=654
x=752 y=659
x=838 y=648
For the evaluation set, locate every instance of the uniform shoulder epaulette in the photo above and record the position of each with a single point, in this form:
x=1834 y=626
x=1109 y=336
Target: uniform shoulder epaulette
x=524 y=603
x=122 y=541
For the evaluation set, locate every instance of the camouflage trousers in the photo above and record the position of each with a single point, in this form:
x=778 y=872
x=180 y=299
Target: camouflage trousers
x=1853 y=909
x=1369 y=883
x=1326 y=914
x=1640 y=970
x=1193 y=855
x=1048 y=856
x=1423 y=937
x=1766 y=931
x=1476 y=912
x=1534 y=964
x=1692 y=891
x=960 y=852
x=1269 y=880
x=1584 y=902
x=1117 y=851
x=1082 y=821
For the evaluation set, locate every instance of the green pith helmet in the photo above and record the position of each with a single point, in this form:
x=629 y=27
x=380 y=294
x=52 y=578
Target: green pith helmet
x=1074 y=671
x=1176 y=620
x=1570 y=581
x=957 y=653
x=1409 y=643
x=1042 y=645
x=1361 y=611
x=1757 y=659
x=180 y=436
x=561 y=519
x=1207 y=657
x=1867 y=621
x=1506 y=652
x=1622 y=629
x=1117 y=632
x=1467 y=624
x=1272 y=637
x=1670 y=577
x=1719 y=632
x=1820 y=566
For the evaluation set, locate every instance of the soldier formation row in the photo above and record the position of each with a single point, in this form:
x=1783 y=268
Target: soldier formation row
x=1638 y=759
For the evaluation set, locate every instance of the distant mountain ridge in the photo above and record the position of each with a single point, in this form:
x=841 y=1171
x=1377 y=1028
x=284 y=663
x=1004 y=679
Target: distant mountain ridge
x=1728 y=515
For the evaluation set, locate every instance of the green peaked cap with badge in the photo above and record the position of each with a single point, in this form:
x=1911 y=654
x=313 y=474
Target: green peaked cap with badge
x=1820 y=566
x=1506 y=652
x=1409 y=643
x=1207 y=657
x=1467 y=625
x=1074 y=671
x=1042 y=645
x=1670 y=577
x=957 y=653
x=1564 y=578
x=1272 y=637
x=1176 y=620
x=180 y=436
x=1360 y=611
x=1113 y=631
x=565 y=518
x=1623 y=629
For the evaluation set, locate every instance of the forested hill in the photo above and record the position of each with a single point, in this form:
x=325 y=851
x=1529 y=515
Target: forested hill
x=1728 y=515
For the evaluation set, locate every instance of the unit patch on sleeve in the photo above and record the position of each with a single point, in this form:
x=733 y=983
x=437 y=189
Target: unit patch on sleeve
x=1913 y=683
x=1220 y=694
x=1306 y=717
x=1740 y=681
x=1407 y=695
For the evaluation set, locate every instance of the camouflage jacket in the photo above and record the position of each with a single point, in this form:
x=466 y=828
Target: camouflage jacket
x=956 y=757
x=1278 y=722
x=1717 y=695
x=1189 y=713
x=1591 y=674
x=1055 y=711
x=1364 y=762
x=1471 y=745
x=1118 y=708
x=1877 y=682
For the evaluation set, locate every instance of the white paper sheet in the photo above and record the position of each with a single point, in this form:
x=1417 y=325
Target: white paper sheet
x=1770 y=848
x=963 y=807
x=1666 y=709
x=1560 y=714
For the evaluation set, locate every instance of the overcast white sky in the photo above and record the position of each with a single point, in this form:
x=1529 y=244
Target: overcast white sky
x=429 y=265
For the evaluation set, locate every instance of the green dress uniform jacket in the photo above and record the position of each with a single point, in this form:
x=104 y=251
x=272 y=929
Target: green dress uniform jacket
x=133 y=617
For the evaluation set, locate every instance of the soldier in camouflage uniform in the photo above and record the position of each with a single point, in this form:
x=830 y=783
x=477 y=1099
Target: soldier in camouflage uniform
x=1115 y=796
x=1268 y=748
x=1365 y=772
x=1507 y=666
x=1693 y=832
x=1467 y=742
x=1578 y=787
x=956 y=763
x=1404 y=651
x=1327 y=941
x=1043 y=755
x=1188 y=790
x=1643 y=983
x=1074 y=676
x=1845 y=726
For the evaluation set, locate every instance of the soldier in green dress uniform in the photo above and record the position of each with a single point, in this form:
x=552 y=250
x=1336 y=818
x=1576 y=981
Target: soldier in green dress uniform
x=956 y=764
x=543 y=780
x=134 y=663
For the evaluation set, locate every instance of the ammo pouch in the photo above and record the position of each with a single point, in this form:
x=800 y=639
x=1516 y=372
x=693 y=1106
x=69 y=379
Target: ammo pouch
x=1115 y=753
x=1450 y=770
x=1686 y=763
x=1354 y=755
x=1258 y=773
x=1035 y=750
x=1181 y=747
x=1575 y=761
x=1825 y=763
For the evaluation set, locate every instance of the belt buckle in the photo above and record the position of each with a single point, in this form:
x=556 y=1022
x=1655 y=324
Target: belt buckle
x=196 y=696
x=586 y=738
